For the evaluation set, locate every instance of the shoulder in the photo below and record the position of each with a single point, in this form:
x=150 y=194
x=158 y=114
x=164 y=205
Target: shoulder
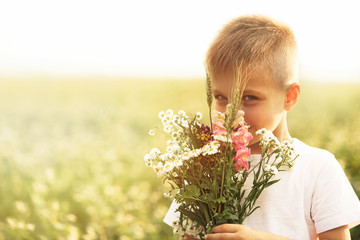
x=312 y=155
x=318 y=165
x=309 y=151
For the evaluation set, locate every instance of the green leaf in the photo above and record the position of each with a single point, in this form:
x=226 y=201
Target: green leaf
x=210 y=197
x=232 y=217
x=271 y=183
x=253 y=210
x=191 y=215
x=191 y=191
x=221 y=200
x=205 y=185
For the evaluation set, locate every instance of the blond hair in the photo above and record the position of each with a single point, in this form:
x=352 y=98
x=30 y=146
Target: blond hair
x=253 y=42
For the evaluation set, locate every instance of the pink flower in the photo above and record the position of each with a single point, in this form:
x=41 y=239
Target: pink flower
x=241 y=138
x=239 y=119
x=218 y=128
x=241 y=159
x=218 y=116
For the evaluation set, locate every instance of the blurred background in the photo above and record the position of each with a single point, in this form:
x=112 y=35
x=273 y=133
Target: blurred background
x=81 y=85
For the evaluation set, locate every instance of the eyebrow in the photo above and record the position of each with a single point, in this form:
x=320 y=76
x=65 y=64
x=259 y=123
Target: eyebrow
x=251 y=91
x=216 y=91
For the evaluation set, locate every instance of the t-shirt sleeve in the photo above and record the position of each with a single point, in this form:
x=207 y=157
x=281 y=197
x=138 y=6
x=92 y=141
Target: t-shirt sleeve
x=334 y=202
x=172 y=216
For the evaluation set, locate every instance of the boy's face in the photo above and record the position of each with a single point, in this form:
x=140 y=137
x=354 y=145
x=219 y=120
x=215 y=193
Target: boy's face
x=263 y=103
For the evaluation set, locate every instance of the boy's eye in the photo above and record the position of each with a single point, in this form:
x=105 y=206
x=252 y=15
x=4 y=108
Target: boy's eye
x=249 y=98
x=220 y=98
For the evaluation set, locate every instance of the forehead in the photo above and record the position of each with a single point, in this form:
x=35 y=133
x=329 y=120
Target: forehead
x=257 y=79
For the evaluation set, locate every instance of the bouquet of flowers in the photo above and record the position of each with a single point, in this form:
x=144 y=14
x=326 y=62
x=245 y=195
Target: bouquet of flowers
x=207 y=167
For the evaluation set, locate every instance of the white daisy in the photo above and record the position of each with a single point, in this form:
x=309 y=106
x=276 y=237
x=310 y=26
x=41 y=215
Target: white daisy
x=161 y=114
x=178 y=162
x=181 y=113
x=198 y=116
x=168 y=167
x=273 y=170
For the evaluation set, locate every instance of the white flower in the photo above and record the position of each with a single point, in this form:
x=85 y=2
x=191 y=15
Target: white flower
x=151 y=132
x=186 y=149
x=186 y=156
x=148 y=158
x=267 y=168
x=178 y=162
x=176 y=120
x=215 y=144
x=155 y=151
x=169 y=112
x=198 y=116
x=148 y=164
x=261 y=131
x=161 y=114
x=176 y=148
x=167 y=129
x=169 y=149
x=270 y=169
x=166 y=156
x=210 y=149
x=222 y=138
x=167 y=195
x=159 y=169
x=205 y=148
x=268 y=138
x=169 y=118
x=273 y=170
x=218 y=116
x=181 y=113
x=276 y=145
x=195 y=152
x=169 y=142
x=168 y=167
x=165 y=122
x=176 y=135
x=184 y=123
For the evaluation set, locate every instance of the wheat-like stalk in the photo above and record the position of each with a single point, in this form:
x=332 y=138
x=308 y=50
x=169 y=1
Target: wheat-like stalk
x=241 y=78
x=209 y=95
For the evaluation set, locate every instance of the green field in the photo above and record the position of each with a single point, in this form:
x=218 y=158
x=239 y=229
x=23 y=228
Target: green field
x=71 y=152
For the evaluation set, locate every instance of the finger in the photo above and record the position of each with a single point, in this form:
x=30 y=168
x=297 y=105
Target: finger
x=226 y=228
x=220 y=236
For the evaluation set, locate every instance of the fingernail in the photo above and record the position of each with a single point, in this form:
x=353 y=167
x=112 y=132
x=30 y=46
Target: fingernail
x=206 y=237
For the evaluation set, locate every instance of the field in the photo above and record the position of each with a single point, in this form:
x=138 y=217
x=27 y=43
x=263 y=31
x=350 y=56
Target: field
x=71 y=152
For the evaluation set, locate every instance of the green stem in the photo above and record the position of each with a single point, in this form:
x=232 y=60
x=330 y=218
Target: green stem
x=223 y=174
x=211 y=128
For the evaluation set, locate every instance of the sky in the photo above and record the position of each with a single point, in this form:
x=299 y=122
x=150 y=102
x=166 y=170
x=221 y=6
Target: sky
x=164 y=38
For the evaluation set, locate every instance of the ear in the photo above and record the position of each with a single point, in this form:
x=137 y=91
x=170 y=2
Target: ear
x=292 y=96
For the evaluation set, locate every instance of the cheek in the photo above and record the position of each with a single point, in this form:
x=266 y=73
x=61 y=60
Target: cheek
x=252 y=117
x=262 y=119
x=220 y=107
x=258 y=118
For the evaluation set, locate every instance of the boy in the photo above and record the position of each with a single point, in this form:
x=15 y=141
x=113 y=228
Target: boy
x=314 y=199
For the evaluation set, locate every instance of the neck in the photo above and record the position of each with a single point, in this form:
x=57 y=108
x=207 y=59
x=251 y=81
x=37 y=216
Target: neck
x=282 y=131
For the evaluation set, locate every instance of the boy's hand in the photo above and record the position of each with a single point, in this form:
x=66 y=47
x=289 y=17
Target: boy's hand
x=231 y=231
x=240 y=232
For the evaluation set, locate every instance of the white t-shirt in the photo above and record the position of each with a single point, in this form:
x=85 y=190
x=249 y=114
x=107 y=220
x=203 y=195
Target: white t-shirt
x=312 y=197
